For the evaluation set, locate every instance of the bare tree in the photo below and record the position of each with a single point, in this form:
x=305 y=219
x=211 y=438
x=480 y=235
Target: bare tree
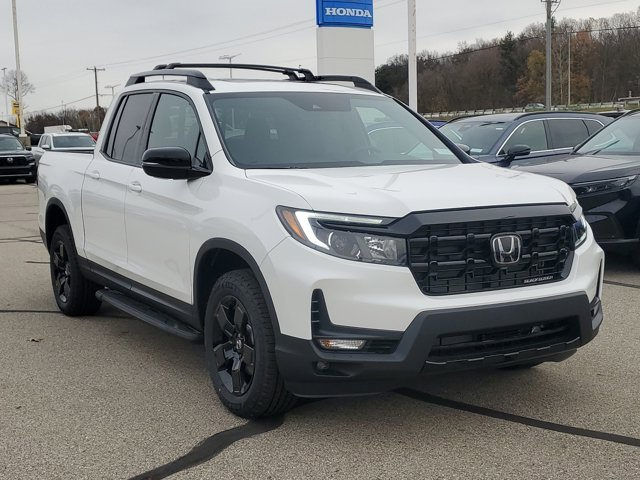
x=10 y=85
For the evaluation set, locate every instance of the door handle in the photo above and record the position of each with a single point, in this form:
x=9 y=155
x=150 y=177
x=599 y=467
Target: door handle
x=135 y=187
x=94 y=174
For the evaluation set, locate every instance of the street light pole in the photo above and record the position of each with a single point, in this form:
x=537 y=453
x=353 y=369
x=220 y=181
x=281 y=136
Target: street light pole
x=229 y=57
x=413 y=63
x=18 y=72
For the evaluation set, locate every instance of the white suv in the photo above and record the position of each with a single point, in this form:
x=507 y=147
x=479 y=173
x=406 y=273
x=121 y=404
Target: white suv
x=322 y=239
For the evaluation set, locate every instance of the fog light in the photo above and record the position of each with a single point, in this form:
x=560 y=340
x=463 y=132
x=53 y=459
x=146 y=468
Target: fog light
x=341 y=344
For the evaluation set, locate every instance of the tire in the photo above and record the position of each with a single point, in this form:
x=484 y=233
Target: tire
x=240 y=348
x=30 y=179
x=74 y=294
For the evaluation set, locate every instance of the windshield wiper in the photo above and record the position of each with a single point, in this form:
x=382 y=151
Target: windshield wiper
x=598 y=150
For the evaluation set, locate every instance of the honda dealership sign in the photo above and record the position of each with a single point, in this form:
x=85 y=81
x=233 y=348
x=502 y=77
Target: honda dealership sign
x=345 y=38
x=353 y=13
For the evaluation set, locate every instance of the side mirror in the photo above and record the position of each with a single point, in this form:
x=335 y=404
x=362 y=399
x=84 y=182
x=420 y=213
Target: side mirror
x=46 y=147
x=170 y=162
x=518 y=151
x=513 y=152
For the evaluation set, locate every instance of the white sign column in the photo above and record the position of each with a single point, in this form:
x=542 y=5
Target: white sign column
x=345 y=38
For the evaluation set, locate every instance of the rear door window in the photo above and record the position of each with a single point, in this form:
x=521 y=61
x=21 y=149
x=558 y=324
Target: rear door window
x=127 y=128
x=531 y=134
x=592 y=126
x=567 y=132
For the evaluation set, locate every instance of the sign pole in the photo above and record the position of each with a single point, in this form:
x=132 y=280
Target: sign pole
x=18 y=72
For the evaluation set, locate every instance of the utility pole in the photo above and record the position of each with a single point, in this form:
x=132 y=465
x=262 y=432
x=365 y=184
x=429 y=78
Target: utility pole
x=6 y=94
x=95 y=76
x=413 y=62
x=229 y=57
x=18 y=71
x=549 y=5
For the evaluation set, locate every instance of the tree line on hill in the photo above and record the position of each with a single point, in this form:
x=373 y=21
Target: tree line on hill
x=603 y=55
x=91 y=119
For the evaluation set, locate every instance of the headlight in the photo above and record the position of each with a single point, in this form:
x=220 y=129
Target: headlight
x=329 y=233
x=601 y=186
x=580 y=231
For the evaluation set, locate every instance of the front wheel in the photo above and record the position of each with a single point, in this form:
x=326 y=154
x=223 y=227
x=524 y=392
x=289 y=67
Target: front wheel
x=240 y=348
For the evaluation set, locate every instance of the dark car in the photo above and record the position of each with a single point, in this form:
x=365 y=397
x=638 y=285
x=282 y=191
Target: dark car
x=499 y=138
x=603 y=172
x=15 y=161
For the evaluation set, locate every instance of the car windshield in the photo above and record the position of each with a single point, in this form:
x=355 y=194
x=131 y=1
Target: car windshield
x=73 y=141
x=316 y=130
x=9 y=144
x=479 y=135
x=621 y=137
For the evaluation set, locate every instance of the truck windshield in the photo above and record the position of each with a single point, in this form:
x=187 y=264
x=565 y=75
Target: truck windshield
x=73 y=141
x=316 y=130
x=480 y=136
x=9 y=143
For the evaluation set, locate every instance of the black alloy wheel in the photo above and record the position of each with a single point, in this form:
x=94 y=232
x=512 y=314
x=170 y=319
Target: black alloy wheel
x=235 y=354
x=61 y=272
x=74 y=294
x=240 y=348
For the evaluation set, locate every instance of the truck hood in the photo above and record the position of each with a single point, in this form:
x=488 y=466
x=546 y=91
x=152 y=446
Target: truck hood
x=583 y=168
x=395 y=191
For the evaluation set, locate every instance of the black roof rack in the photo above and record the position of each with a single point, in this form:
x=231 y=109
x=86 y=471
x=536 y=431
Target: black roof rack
x=194 y=77
x=358 y=82
x=199 y=80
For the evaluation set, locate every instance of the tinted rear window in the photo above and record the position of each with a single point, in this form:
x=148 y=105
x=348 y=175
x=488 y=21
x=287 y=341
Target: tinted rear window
x=124 y=137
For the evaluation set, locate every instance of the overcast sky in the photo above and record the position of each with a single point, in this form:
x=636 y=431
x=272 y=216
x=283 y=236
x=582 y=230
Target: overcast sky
x=59 y=40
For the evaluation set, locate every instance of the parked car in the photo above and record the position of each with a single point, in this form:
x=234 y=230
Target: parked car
x=499 y=137
x=15 y=161
x=261 y=217
x=65 y=142
x=604 y=173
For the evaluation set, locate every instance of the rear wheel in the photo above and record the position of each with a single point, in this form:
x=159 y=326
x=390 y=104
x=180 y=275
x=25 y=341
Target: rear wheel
x=74 y=294
x=240 y=348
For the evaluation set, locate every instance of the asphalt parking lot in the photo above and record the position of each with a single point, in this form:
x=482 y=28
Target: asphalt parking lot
x=110 y=397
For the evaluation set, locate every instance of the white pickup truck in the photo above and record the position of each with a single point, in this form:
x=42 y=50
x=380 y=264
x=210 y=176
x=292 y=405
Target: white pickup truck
x=322 y=239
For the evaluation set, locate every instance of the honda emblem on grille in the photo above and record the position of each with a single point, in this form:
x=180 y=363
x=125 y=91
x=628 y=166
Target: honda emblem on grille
x=506 y=249
x=9 y=160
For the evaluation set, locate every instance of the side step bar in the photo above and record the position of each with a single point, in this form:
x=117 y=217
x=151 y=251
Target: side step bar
x=149 y=315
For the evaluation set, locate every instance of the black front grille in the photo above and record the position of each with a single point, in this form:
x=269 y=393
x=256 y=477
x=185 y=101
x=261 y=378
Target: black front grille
x=481 y=344
x=455 y=258
x=17 y=161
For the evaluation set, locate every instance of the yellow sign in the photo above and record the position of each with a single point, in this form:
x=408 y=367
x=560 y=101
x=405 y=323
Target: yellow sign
x=15 y=108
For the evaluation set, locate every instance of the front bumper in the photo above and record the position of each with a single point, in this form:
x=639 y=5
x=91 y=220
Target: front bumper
x=310 y=371
x=20 y=171
x=614 y=218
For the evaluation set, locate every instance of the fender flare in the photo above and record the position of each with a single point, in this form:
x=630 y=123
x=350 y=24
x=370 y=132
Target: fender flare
x=56 y=202
x=243 y=253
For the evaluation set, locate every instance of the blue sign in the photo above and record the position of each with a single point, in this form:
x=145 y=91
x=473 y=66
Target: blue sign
x=350 y=13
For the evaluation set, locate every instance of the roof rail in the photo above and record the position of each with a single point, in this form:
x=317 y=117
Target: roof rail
x=194 y=77
x=358 y=82
x=199 y=80
x=292 y=73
